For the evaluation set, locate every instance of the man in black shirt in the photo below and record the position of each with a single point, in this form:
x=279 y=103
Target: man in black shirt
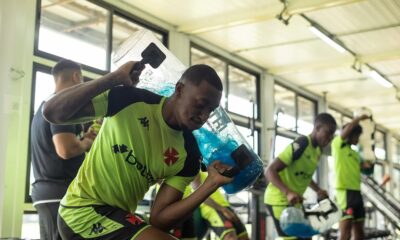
x=57 y=151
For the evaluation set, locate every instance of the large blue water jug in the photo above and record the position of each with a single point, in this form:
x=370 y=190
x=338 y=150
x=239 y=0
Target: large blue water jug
x=218 y=139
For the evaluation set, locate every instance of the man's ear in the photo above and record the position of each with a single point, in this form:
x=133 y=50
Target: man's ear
x=179 y=88
x=77 y=77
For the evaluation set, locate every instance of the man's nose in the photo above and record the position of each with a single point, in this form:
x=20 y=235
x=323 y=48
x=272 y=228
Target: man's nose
x=204 y=115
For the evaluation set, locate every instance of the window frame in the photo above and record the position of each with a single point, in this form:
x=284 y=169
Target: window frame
x=292 y=137
x=290 y=132
x=385 y=159
x=256 y=129
x=397 y=146
x=342 y=116
x=226 y=78
x=53 y=57
x=112 y=10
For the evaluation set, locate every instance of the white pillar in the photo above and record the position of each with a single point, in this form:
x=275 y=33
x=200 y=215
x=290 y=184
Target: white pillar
x=267 y=109
x=179 y=45
x=17 y=23
x=267 y=106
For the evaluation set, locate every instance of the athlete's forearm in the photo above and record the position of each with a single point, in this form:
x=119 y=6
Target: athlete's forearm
x=67 y=104
x=349 y=127
x=75 y=149
x=178 y=211
x=274 y=178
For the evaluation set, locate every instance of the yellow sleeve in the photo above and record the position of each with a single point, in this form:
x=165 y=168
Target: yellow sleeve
x=178 y=182
x=337 y=142
x=188 y=191
x=203 y=176
x=100 y=104
x=286 y=156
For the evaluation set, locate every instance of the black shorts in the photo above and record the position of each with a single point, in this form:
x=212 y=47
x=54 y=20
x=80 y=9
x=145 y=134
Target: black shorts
x=185 y=230
x=351 y=203
x=100 y=222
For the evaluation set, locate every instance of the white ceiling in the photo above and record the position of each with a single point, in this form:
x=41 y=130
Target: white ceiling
x=250 y=29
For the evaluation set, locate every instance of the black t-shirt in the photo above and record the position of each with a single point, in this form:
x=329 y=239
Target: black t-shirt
x=52 y=173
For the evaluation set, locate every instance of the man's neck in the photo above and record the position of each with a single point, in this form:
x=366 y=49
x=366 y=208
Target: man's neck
x=168 y=113
x=313 y=140
x=62 y=86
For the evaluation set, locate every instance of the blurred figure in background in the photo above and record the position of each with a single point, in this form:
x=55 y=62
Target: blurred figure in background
x=219 y=216
x=348 y=167
x=57 y=152
x=291 y=172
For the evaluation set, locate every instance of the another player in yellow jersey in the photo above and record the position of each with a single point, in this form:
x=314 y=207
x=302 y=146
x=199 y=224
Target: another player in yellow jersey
x=186 y=230
x=348 y=167
x=219 y=216
x=291 y=172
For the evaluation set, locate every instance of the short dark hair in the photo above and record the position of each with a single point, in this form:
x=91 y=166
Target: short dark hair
x=357 y=130
x=197 y=73
x=325 y=118
x=65 y=64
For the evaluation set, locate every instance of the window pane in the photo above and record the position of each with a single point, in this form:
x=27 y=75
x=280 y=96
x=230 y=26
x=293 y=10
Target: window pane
x=396 y=182
x=395 y=150
x=30 y=226
x=306 y=116
x=380 y=151
x=251 y=140
x=285 y=104
x=76 y=30
x=242 y=92
x=44 y=87
x=331 y=176
x=200 y=57
x=123 y=29
x=398 y=152
x=280 y=144
x=378 y=172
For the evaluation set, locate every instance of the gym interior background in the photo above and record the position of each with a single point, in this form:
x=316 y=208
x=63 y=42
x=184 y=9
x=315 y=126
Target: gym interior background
x=278 y=74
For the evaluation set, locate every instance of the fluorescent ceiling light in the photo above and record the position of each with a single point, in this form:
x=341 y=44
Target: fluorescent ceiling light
x=381 y=80
x=327 y=39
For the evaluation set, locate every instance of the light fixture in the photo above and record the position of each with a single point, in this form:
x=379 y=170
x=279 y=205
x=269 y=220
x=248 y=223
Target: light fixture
x=327 y=39
x=380 y=79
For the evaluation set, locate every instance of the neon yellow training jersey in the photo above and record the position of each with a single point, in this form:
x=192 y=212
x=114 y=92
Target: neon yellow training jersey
x=301 y=159
x=347 y=165
x=133 y=150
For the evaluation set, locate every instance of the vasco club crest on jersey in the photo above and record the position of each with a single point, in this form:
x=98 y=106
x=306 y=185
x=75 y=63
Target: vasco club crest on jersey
x=171 y=156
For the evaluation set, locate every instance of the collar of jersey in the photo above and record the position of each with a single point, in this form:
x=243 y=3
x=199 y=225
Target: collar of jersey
x=162 y=121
